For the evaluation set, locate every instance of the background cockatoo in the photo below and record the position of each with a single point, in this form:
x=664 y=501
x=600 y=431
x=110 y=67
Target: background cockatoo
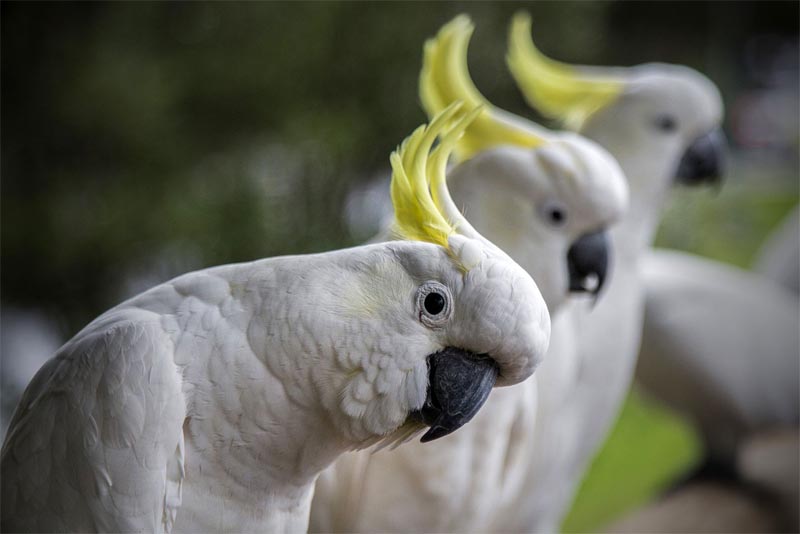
x=212 y=402
x=720 y=345
x=661 y=122
x=546 y=198
x=779 y=257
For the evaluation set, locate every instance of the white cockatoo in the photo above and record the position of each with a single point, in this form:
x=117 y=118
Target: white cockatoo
x=779 y=257
x=212 y=402
x=661 y=122
x=704 y=321
x=720 y=344
x=546 y=198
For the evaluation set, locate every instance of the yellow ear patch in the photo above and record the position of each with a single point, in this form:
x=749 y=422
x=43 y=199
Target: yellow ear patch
x=416 y=171
x=445 y=78
x=557 y=90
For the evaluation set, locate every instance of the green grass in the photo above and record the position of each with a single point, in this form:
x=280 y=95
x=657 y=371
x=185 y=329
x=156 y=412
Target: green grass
x=645 y=452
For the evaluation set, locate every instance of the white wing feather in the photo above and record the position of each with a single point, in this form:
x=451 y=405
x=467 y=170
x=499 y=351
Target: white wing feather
x=108 y=401
x=779 y=257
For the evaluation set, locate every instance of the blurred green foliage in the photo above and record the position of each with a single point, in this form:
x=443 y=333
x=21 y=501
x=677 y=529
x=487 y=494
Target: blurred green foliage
x=144 y=139
x=645 y=452
x=207 y=133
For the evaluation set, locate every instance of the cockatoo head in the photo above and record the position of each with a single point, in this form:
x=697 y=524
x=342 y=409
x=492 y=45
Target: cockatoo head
x=545 y=198
x=445 y=316
x=548 y=208
x=661 y=121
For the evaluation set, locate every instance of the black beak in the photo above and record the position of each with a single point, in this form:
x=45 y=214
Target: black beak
x=459 y=382
x=587 y=261
x=704 y=160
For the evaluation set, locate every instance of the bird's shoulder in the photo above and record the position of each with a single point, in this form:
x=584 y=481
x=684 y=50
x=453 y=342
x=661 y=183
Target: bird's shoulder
x=98 y=432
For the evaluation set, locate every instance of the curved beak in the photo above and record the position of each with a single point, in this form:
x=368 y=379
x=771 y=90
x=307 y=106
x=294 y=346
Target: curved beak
x=459 y=382
x=704 y=160
x=587 y=261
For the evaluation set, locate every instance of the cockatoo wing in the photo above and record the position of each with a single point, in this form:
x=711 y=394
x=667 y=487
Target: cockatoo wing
x=779 y=257
x=106 y=411
x=720 y=344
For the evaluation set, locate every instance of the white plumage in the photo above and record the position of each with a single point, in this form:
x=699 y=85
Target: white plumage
x=720 y=344
x=211 y=402
x=486 y=476
x=779 y=257
x=653 y=118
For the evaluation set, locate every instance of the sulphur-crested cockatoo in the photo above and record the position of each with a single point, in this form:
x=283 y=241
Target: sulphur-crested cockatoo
x=779 y=257
x=661 y=122
x=546 y=198
x=213 y=401
x=707 y=356
x=720 y=344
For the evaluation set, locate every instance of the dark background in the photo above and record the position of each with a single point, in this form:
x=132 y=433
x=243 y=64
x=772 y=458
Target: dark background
x=140 y=140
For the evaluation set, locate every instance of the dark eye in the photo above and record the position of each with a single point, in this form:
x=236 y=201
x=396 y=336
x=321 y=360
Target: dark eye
x=434 y=303
x=554 y=214
x=557 y=216
x=666 y=123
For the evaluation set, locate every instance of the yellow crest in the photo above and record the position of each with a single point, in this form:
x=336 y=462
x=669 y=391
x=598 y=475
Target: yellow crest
x=445 y=78
x=419 y=193
x=557 y=90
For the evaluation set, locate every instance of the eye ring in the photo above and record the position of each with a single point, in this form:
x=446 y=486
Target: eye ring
x=555 y=214
x=434 y=304
x=665 y=123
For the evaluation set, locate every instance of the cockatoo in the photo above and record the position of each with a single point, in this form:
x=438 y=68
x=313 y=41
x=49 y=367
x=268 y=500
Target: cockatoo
x=704 y=321
x=720 y=345
x=661 y=122
x=779 y=257
x=547 y=199
x=213 y=401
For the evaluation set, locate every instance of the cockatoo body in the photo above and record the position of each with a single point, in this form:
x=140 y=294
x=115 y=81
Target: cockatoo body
x=547 y=199
x=213 y=401
x=779 y=257
x=662 y=129
x=661 y=123
x=721 y=346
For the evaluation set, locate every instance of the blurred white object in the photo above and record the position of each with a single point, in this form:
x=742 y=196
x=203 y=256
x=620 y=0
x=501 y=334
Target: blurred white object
x=28 y=340
x=720 y=344
x=368 y=207
x=546 y=206
x=661 y=122
x=779 y=257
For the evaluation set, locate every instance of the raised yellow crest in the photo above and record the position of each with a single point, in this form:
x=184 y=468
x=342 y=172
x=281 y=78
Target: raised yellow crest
x=555 y=89
x=445 y=78
x=422 y=205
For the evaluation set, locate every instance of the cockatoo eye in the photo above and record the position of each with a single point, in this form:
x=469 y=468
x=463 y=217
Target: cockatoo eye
x=666 y=123
x=434 y=303
x=554 y=214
